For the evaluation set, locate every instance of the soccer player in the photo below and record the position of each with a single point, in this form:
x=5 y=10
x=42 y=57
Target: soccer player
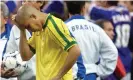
x=56 y=51
x=120 y=18
x=13 y=45
x=129 y=5
x=4 y=36
x=93 y=43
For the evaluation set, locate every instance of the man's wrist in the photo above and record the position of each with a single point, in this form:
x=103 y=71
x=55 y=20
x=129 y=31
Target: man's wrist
x=23 y=31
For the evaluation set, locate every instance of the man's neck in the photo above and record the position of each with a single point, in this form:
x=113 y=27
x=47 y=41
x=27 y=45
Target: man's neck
x=44 y=18
x=70 y=15
x=2 y=30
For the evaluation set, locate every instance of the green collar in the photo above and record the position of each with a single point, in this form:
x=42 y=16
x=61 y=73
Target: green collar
x=46 y=22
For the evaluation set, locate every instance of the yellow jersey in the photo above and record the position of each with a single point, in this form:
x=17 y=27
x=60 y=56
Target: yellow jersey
x=51 y=45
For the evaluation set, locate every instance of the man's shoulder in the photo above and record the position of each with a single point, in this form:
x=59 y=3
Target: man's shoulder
x=53 y=21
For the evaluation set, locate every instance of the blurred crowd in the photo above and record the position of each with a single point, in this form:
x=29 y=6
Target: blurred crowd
x=58 y=8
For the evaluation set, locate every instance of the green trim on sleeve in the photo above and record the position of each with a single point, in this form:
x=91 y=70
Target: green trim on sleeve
x=46 y=22
x=69 y=45
x=58 y=30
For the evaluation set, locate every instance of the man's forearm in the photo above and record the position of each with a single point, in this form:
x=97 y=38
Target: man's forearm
x=25 y=51
x=73 y=54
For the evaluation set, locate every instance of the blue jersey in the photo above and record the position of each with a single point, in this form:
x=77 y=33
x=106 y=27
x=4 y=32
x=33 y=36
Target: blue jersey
x=55 y=7
x=119 y=16
x=4 y=37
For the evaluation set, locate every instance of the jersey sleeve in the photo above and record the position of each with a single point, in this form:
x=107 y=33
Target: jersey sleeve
x=61 y=34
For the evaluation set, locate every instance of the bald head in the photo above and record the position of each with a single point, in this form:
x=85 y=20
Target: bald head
x=25 y=12
x=29 y=18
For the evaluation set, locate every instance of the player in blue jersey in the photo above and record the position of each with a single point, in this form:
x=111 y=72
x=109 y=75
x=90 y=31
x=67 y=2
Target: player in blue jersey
x=119 y=16
x=129 y=5
x=92 y=41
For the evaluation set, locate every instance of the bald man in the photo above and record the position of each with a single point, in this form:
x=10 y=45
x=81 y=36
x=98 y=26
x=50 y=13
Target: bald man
x=56 y=51
x=13 y=45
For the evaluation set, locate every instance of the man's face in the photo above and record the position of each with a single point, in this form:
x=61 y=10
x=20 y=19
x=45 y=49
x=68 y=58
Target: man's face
x=32 y=24
x=129 y=5
x=2 y=19
x=109 y=29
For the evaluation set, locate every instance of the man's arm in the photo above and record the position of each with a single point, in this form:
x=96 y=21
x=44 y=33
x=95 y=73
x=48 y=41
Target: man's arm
x=73 y=54
x=24 y=48
x=25 y=51
x=109 y=56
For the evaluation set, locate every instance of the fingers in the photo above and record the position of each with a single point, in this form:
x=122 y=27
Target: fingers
x=15 y=75
x=9 y=71
x=2 y=72
x=2 y=64
x=14 y=20
x=7 y=74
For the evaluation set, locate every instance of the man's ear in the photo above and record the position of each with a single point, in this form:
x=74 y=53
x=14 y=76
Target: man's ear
x=83 y=10
x=33 y=16
x=41 y=3
x=5 y=20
